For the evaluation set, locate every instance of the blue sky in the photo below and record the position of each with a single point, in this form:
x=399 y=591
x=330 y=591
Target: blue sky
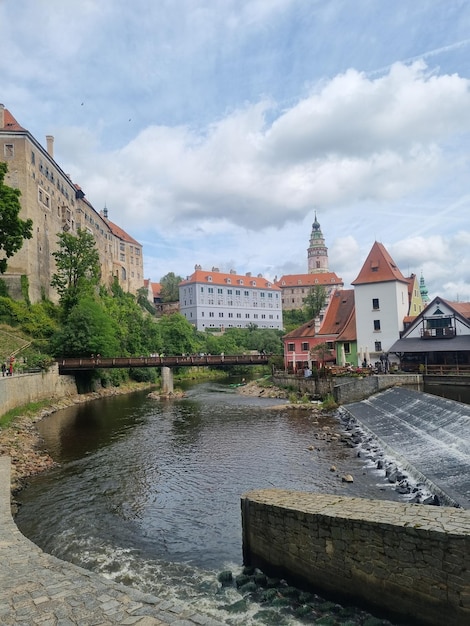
x=214 y=129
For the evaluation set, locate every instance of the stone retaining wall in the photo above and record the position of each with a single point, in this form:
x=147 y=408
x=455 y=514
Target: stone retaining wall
x=355 y=389
x=21 y=389
x=406 y=559
x=347 y=389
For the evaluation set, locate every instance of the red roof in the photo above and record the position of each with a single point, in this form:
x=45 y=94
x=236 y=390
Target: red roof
x=461 y=307
x=338 y=312
x=10 y=123
x=214 y=277
x=308 y=280
x=120 y=233
x=379 y=267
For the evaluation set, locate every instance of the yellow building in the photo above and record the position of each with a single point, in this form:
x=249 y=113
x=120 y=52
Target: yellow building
x=55 y=204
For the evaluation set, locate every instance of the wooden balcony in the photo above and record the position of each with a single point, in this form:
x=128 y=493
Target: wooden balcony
x=438 y=333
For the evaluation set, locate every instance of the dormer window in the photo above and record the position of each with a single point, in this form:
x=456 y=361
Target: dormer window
x=209 y=279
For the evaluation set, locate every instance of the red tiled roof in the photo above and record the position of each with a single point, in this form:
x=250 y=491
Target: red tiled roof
x=220 y=278
x=461 y=307
x=308 y=280
x=306 y=330
x=120 y=233
x=10 y=123
x=379 y=267
x=349 y=332
x=338 y=312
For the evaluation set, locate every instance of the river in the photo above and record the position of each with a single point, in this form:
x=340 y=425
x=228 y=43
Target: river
x=148 y=492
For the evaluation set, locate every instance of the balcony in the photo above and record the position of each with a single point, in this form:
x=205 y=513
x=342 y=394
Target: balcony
x=446 y=332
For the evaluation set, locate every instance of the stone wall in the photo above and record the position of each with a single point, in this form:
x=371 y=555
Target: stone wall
x=356 y=389
x=21 y=389
x=320 y=387
x=408 y=560
x=345 y=389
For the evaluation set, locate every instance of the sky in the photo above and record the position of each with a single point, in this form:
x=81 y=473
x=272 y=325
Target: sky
x=214 y=130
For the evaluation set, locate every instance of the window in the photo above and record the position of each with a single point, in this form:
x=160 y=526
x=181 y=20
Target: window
x=229 y=292
x=211 y=314
x=9 y=150
x=230 y=314
x=247 y=316
x=376 y=325
x=246 y=293
x=378 y=346
x=375 y=304
x=237 y=292
x=347 y=348
x=305 y=345
x=33 y=157
x=221 y=314
x=219 y=290
x=210 y=289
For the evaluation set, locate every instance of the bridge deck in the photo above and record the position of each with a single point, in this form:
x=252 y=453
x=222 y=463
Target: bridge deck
x=69 y=365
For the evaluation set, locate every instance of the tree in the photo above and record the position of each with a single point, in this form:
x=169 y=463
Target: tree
x=315 y=301
x=78 y=267
x=170 y=287
x=13 y=230
x=89 y=330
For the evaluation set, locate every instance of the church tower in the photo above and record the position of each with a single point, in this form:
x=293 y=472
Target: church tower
x=423 y=290
x=317 y=251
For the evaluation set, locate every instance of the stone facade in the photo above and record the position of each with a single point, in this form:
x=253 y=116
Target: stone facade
x=55 y=204
x=410 y=560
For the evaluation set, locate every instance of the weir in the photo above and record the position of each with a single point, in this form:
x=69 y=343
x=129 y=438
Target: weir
x=407 y=559
x=428 y=434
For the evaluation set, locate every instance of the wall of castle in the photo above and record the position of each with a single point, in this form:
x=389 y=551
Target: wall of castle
x=407 y=559
x=18 y=390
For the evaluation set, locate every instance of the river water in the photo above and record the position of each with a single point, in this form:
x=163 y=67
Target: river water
x=148 y=492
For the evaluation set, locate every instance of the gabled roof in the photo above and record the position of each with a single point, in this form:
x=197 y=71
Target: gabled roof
x=349 y=332
x=308 y=280
x=461 y=307
x=338 y=313
x=10 y=123
x=214 y=277
x=379 y=267
x=304 y=331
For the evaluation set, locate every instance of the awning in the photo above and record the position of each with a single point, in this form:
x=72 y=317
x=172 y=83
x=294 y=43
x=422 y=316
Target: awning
x=415 y=344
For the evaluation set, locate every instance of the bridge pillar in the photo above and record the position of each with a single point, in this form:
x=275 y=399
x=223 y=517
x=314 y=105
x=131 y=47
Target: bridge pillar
x=167 y=380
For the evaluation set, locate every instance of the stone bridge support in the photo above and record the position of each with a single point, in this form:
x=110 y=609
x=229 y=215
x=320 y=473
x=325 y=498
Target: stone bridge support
x=167 y=380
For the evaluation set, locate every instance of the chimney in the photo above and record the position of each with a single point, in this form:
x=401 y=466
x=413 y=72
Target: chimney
x=50 y=145
x=248 y=274
x=2 y=115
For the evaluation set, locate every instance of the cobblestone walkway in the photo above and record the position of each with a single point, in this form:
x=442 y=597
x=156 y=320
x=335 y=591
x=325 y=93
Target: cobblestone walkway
x=37 y=588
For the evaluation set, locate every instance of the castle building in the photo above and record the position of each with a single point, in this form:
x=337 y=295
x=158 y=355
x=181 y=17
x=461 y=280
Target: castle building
x=217 y=300
x=296 y=287
x=55 y=204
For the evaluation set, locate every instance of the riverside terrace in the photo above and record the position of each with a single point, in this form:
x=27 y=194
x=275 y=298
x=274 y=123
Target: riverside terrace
x=71 y=365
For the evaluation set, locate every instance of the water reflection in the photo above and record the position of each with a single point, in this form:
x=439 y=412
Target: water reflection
x=149 y=492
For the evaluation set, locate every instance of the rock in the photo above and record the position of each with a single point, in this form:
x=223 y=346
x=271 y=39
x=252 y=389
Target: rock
x=347 y=478
x=225 y=577
x=333 y=468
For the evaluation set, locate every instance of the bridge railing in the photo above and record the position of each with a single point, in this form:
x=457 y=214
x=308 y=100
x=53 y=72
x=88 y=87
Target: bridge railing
x=88 y=363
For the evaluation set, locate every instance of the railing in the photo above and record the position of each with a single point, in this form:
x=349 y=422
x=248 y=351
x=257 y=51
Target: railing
x=438 y=333
x=438 y=370
x=68 y=365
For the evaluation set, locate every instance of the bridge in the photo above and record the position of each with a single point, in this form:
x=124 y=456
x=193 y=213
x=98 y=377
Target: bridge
x=67 y=366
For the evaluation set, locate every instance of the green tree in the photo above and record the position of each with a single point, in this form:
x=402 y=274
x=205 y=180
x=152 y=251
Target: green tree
x=177 y=335
x=170 y=287
x=13 y=230
x=89 y=330
x=315 y=301
x=78 y=268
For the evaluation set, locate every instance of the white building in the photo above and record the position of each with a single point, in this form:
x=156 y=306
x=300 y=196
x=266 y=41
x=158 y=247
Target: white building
x=213 y=299
x=382 y=303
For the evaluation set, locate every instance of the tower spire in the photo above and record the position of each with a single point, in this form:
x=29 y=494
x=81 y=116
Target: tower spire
x=317 y=251
x=423 y=289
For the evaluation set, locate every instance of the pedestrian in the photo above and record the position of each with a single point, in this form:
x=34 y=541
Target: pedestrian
x=10 y=370
x=4 y=368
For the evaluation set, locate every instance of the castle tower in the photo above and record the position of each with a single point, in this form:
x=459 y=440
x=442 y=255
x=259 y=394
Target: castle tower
x=317 y=251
